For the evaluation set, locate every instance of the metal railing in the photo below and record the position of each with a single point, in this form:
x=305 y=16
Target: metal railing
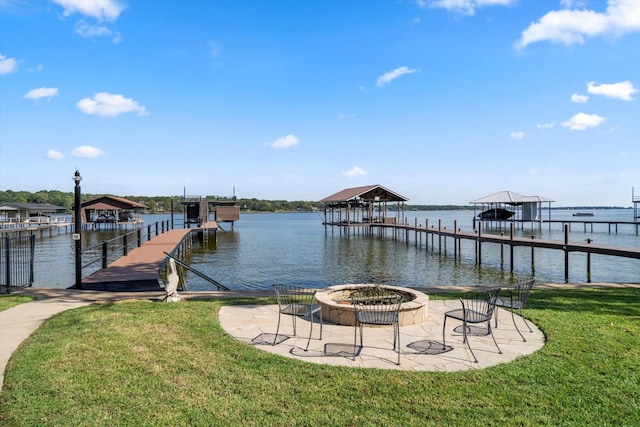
x=16 y=262
x=99 y=256
x=198 y=273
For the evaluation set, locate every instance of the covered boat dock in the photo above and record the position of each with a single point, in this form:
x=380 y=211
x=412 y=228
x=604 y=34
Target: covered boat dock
x=363 y=206
x=510 y=206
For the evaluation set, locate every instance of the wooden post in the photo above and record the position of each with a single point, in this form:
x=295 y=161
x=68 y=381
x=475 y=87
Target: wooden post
x=533 y=263
x=479 y=245
x=439 y=237
x=502 y=252
x=511 y=247
x=455 y=240
x=566 y=253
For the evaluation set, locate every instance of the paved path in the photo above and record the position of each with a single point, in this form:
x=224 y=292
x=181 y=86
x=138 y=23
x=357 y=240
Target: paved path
x=248 y=322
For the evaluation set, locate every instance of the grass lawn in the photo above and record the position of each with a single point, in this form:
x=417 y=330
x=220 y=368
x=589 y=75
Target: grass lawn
x=149 y=363
x=8 y=301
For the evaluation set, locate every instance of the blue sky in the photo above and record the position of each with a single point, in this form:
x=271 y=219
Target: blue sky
x=442 y=101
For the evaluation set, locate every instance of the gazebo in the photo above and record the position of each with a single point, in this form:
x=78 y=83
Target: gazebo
x=362 y=206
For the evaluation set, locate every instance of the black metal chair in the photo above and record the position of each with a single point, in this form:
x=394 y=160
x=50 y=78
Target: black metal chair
x=518 y=296
x=376 y=306
x=297 y=302
x=477 y=307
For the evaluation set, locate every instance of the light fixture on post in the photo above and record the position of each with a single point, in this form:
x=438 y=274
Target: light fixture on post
x=78 y=229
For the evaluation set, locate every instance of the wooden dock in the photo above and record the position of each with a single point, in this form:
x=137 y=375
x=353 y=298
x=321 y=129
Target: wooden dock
x=139 y=270
x=439 y=235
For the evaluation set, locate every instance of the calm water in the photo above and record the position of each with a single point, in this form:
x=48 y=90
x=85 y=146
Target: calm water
x=294 y=248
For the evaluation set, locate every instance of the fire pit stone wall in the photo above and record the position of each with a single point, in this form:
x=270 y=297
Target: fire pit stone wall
x=336 y=304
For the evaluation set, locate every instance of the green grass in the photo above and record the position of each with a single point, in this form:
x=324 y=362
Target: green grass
x=148 y=363
x=8 y=301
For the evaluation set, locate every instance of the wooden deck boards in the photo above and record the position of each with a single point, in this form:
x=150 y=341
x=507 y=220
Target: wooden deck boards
x=139 y=269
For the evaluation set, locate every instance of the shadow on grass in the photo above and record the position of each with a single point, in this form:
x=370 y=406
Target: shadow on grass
x=597 y=301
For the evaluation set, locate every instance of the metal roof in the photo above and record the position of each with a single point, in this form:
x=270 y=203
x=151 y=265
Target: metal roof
x=367 y=192
x=35 y=207
x=511 y=198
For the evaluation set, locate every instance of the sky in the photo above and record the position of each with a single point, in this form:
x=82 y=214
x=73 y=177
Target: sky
x=441 y=101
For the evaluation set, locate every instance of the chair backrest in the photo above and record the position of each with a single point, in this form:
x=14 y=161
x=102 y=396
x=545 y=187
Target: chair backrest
x=481 y=302
x=379 y=304
x=294 y=295
x=521 y=291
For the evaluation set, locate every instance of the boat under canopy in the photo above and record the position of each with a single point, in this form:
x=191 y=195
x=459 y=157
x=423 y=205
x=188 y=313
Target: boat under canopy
x=496 y=214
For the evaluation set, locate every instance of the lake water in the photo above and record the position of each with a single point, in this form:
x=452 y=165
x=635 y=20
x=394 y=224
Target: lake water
x=267 y=248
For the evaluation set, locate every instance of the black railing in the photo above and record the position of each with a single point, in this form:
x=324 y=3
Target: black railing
x=99 y=256
x=16 y=262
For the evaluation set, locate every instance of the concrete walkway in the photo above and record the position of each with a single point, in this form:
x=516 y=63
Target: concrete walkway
x=249 y=322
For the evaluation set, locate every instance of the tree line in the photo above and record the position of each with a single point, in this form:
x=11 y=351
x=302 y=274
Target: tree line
x=154 y=204
x=159 y=204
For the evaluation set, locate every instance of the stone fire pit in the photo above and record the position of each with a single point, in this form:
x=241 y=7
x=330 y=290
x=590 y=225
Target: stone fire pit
x=336 y=304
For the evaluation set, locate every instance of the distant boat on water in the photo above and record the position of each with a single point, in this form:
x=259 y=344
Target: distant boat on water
x=583 y=214
x=496 y=214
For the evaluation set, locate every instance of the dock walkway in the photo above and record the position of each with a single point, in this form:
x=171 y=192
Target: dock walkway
x=139 y=269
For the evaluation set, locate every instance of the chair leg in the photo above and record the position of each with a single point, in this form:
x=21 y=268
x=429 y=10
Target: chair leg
x=444 y=325
x=355 y=339
x=494 y=338
x=525 y=321
x=464 y=335
x=516 y=325
x=396 y=333
x=275 y=339
x=294 y=325
x=310 y=332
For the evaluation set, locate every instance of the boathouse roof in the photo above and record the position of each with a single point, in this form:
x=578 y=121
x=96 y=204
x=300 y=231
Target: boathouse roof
x=111 y=202
x=376 y=193
x=32 y=207
x=510 y=198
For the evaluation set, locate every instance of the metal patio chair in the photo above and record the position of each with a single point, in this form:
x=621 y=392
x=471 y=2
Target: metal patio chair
x=477 y=307
x=518 y=296
x=297 y=302
x=376 y=306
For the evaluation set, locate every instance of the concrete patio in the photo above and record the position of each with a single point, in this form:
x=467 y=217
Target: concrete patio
x=420 y=345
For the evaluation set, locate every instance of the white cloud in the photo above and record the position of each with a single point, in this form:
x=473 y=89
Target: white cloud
x=88 y=30
x=466 y=7
x=548 y=125
x=99 y=9
x=285 y=142
x=571 y=26
x=7 y=65
x=579 y=99
x=86 y=151
x=54 y=155
x=109 y=105
x=43 y=92
x=392 y=75
x=516 y=135
x=581 y=121
x=355 y=171
x=622 y=90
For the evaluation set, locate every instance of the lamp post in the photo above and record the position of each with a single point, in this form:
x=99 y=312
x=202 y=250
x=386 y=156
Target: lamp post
x=78 y=229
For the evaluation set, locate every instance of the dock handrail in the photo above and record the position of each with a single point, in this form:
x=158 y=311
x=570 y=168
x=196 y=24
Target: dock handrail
x=197 y=273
